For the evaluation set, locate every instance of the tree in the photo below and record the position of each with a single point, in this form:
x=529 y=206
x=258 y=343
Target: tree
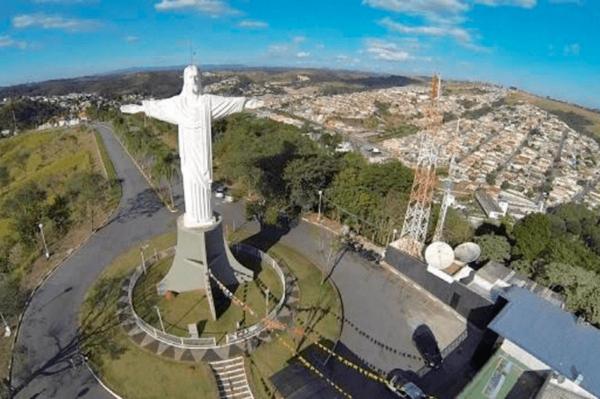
x=166 y=166
x=532 y=235
x=493 y=248
x=87 y=189
x=59 y=213
x=581 y=288
x=457 y=228
x=524 y=267
x=4 y=176
x=305 y=176
x=11 y=297
x=26 y=208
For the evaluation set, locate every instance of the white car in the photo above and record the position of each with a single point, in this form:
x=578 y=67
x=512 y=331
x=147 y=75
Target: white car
x=402 y=387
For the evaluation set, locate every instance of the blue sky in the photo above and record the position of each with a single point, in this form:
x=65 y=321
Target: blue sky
x=549 y=47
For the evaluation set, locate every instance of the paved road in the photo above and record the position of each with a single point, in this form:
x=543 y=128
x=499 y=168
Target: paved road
x=379 y=307
x=49 y=328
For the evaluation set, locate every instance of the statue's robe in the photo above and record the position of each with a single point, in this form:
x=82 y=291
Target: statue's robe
x=194 y=115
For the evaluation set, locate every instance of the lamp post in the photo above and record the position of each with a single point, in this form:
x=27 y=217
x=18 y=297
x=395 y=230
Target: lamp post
x=7 y=331
x=320 y=201
x=267 y=293
x=143 y=258
x=160 y=320
x=46 y=252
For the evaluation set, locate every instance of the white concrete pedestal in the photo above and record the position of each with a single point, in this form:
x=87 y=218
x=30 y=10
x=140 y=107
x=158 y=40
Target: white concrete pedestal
x=199 y=250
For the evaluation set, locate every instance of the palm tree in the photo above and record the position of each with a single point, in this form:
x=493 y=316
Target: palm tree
x=166 y=166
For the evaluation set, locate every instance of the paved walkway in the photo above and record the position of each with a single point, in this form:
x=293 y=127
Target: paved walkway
x=47 y=341
x=231 y=379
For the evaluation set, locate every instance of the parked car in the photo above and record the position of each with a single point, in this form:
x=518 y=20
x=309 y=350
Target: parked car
x=427 y=345
x=398 y=383
x=220 y=192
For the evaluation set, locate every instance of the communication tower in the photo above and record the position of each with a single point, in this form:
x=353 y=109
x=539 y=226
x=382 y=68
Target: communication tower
x=446 y=202
x=416 y=219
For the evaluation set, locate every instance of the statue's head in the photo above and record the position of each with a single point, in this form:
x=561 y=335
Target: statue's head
x=191 y=81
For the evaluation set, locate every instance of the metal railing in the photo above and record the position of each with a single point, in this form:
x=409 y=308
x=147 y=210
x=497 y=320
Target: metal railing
x=208 y=342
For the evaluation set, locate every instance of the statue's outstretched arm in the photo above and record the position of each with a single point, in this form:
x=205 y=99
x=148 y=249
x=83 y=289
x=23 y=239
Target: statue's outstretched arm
x=164 y=110
x=132 y=108
x=223 y=106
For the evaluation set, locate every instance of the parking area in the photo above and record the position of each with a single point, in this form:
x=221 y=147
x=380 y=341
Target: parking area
x=382 y=311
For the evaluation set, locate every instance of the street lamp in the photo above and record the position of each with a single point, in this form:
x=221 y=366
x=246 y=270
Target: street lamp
x=46 y=252
x=162 y=326
x=143 y=258
x=267 y=302
x=320 y=201
x=7 y=331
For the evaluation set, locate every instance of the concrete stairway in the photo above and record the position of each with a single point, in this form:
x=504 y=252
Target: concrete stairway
x=231 y=379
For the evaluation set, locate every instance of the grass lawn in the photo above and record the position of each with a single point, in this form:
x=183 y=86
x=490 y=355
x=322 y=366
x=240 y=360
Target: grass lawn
x=135 y=373
x=319 y=307
x=50 y=159
x=128 y=370
x=192 y=307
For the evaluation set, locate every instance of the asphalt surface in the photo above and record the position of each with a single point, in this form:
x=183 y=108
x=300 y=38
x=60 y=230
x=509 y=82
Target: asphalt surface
x=46 y=364
x=380 y=309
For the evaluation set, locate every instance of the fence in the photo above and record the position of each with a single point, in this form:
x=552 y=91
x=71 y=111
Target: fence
x=208 y=342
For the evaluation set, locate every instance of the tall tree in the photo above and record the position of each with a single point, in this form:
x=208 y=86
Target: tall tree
x=26 y=208
x=532 y=235
x=493 y=248
x=166 y=167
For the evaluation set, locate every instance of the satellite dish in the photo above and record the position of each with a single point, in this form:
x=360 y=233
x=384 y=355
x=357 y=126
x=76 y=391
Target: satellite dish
x=439 y=255
x=467 y=252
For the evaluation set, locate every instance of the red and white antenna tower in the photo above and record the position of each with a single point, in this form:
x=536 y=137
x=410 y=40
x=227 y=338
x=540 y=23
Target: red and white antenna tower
x=416 y=219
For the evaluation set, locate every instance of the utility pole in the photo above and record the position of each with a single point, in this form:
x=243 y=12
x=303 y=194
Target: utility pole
x=267 y=301
x=7 y=331
x=143 y=258
x=320 y=201
x=46 y=252
x=160 y=320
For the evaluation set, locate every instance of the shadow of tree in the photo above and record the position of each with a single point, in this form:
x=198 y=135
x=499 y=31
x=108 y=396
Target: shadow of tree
x=94 y=335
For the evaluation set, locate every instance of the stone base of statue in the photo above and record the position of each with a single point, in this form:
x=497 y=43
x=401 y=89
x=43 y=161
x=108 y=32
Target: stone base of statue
x=199 y=251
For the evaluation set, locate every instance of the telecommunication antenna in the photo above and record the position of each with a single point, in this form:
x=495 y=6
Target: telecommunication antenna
x=446 y=202
x=416 y=219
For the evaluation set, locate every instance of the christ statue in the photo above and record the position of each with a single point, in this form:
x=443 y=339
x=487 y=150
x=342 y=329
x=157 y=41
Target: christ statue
x=194 y=112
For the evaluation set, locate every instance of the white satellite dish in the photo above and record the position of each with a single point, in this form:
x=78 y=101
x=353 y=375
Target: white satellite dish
x=439 y=255
x=467 y=252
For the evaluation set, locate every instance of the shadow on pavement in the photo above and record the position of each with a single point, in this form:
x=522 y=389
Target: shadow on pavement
x=145 y=203
x=93 y=334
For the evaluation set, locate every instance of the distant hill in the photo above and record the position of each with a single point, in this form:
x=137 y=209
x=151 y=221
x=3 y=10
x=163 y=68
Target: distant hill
x=166 y=81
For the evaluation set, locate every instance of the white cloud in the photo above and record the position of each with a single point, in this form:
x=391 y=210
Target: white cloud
x=299 y=39
x=53 y=22
x=572 y=49
x=210 y=7
x=278 y=48
x=386 y=51
x=131 y=39
x=446 y=11
x=302 y=54
x=432 y=9
x=7 y=41
x=253 y=24
x=514 y=3
x=457 y=33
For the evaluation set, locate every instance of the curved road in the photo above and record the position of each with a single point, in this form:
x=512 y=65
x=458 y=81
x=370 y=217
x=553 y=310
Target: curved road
x=46 y=344
x=378 y=306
